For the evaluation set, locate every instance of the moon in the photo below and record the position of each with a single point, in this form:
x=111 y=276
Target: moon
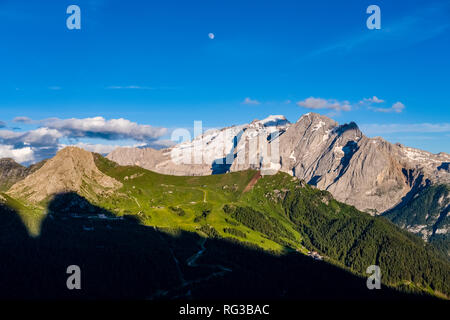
x=211 y=36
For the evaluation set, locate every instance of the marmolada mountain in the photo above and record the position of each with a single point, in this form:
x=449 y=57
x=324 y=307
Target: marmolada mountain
x=265 y=210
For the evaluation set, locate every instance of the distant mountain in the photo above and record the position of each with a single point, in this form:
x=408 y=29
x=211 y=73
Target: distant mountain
x=371 y=174
x=213 y=152
x=72 y=169
x=12 y=172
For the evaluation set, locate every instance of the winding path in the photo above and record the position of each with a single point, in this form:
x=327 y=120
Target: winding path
x=192 y=262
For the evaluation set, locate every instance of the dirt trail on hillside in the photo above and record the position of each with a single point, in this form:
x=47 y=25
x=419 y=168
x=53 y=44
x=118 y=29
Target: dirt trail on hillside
x=252 y=182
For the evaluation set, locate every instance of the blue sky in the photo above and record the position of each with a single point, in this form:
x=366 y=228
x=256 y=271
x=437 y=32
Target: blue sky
x=153 y=64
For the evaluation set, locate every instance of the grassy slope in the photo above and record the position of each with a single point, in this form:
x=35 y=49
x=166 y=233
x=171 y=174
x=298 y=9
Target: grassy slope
x=151 y=196
x=31 y=216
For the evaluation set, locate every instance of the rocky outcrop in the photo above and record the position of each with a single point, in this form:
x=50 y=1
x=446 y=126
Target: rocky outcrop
x=71 y=170
x=12 y=172
x=367 y=173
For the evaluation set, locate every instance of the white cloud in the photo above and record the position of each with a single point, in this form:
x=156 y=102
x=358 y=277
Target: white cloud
x=130 y=87
x=38 y=137
x=99 y=127
x=19 y=155
x=372 y=129
x=250 y=101
x=397 y=107
x=374 y=99
x=330 y=104
x=23 y=120
x=45 y=141
x=33 y=145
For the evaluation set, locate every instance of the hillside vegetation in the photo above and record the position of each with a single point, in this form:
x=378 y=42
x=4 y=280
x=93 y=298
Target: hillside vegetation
x=427 y=214
x=279 y=213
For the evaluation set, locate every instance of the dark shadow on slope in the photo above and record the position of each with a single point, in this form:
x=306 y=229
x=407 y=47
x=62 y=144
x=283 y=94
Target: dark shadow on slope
x=314 y=180
x=417 y=185
x=18 y=254
x=444 y=166
x=349 y=150
x=121 y=259
x=340 y=130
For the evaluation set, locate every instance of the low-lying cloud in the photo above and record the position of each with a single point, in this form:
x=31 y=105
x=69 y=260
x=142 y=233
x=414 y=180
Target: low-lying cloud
x=22 y=155
x=99 y=127
x=39 y=138
x=53 y=134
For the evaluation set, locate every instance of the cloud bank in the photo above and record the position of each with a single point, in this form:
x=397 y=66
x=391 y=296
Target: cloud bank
x=21 y=155
x=53 y=134
x=99 y=127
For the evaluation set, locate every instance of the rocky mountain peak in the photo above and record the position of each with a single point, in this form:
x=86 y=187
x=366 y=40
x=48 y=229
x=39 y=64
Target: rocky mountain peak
x=12 y=172
x=71 y=170
x=313 y=117
x=6 y=161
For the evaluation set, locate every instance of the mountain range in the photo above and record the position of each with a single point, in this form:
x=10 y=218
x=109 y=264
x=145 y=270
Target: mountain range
x=372 y=174
x=295 y=192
